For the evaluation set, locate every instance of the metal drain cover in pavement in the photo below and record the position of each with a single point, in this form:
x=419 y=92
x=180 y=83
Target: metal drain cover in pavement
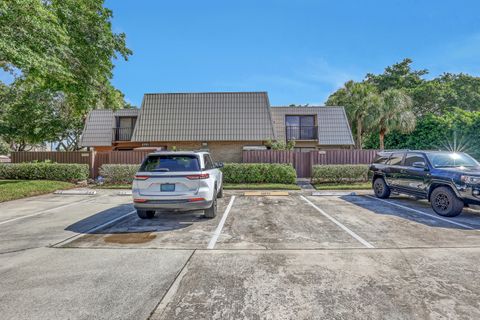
x=335 y=194
x=77 y=192
x=265 y=193
x=125 y=193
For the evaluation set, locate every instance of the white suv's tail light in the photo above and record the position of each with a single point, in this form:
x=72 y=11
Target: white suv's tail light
x=141 y=177
x=198 y=176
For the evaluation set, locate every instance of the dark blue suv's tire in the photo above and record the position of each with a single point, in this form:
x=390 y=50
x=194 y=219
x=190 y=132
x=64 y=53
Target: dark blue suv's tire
x=445 y=203
x=380 y=188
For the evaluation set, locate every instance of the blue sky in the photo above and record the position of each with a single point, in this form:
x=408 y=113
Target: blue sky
x=299 y=51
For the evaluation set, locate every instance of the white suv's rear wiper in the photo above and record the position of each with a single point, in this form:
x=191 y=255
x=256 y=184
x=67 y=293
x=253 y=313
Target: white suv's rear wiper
x=162 y=169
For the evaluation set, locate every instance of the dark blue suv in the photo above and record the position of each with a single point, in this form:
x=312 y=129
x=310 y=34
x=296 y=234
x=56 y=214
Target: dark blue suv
x=449 y=180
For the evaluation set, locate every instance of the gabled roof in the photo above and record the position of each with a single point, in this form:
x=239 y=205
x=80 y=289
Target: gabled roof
x=212 y=116
x=332 y=122
x=99 y=125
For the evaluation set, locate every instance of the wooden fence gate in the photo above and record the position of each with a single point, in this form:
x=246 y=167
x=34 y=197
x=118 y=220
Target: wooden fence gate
x=303 y=164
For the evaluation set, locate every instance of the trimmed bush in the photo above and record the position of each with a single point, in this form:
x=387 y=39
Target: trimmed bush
x=259 y=173
x=340 y=173
x=118 y=173
x=44 y=171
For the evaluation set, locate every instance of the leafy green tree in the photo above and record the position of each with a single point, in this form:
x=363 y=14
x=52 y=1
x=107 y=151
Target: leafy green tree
x=30 y=116
x=61 y=53
x=398 y=76
x=445 y=93
x=458 y=130
x=393 y=113
x=4 y=148
x=359 y=100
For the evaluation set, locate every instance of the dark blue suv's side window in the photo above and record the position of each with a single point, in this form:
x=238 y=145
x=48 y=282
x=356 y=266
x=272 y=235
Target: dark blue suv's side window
x=395 y=159
x=411 y=158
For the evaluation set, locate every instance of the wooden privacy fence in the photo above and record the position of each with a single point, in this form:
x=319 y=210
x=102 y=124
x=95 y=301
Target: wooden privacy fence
x=94 y=159
x=60 y=157
x=303 y=161
x=117 y=157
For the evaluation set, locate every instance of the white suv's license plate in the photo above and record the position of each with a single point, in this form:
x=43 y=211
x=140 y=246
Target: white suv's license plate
x=167 y=187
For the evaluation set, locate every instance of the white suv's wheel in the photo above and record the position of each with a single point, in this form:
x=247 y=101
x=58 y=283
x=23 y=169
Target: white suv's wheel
x=220 y=193
x=212 y=211
x=145 y=214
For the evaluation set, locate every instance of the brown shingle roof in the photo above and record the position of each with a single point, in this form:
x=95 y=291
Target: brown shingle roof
x=333 y=127
x=213 y=116
x=99 y=125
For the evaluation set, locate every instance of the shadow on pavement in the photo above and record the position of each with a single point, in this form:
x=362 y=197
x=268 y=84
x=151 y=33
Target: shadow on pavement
x=383 y=208
x=163 y=221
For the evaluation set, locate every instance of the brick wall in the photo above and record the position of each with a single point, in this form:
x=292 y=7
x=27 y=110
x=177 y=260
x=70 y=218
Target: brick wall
x=222 y=151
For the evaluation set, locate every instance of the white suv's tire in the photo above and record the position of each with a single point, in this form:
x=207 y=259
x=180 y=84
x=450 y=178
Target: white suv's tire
x=145 y=214
x=220 y=193
x=212 y=211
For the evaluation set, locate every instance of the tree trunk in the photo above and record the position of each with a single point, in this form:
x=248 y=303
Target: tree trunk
x=382 y=139
x=359 y=134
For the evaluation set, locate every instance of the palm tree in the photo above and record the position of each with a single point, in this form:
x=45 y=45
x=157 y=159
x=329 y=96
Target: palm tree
x=359 y=99
x=393 y=113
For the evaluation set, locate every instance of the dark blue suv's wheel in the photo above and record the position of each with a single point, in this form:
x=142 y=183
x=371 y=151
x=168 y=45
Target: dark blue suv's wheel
x=380 y=188
x=445 y=203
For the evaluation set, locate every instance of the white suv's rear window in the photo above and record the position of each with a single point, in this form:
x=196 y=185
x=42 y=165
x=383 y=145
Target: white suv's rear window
x=170 y=163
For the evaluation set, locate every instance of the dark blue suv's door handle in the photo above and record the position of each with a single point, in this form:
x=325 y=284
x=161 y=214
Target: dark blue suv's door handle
x=403 y=171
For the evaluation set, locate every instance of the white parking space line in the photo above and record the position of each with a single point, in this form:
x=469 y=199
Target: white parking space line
x=96 y=228
x=218 y=231
x=350 y=232
x=425 y=214
x=47 y=210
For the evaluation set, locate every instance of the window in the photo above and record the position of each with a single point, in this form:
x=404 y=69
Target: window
x=208 y=162
x=395 y=159
x=303 y=121
x=124 y=128
x=411 y=158
x=451 y=160
x=381 y=159
x=300 y=127
x=169 y=163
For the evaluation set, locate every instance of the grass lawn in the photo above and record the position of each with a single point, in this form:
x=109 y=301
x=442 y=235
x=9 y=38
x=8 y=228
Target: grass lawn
x=260 y=186
x=16 y=189
x=342 y=186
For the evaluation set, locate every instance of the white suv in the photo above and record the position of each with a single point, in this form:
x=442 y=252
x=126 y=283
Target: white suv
x=177 y=181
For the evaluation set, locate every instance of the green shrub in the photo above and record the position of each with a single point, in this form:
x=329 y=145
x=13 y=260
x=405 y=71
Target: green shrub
x=44 y=171
x=118 y=173
x=340 y=173
x=259 y=173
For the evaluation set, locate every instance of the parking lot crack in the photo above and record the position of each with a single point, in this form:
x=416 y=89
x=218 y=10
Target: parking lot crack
x=162 y=305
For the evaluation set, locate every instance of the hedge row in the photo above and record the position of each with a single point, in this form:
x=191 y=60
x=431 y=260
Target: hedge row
x=118 y=173
x=340 y=173
x=232 y=173
x=44 y=171
x=259 y=173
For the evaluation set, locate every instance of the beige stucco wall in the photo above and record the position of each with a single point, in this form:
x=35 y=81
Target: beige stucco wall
x=222 y=151
x=314 y=144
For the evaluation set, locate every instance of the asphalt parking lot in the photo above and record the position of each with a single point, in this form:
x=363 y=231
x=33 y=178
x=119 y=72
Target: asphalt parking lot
x=263 y=257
